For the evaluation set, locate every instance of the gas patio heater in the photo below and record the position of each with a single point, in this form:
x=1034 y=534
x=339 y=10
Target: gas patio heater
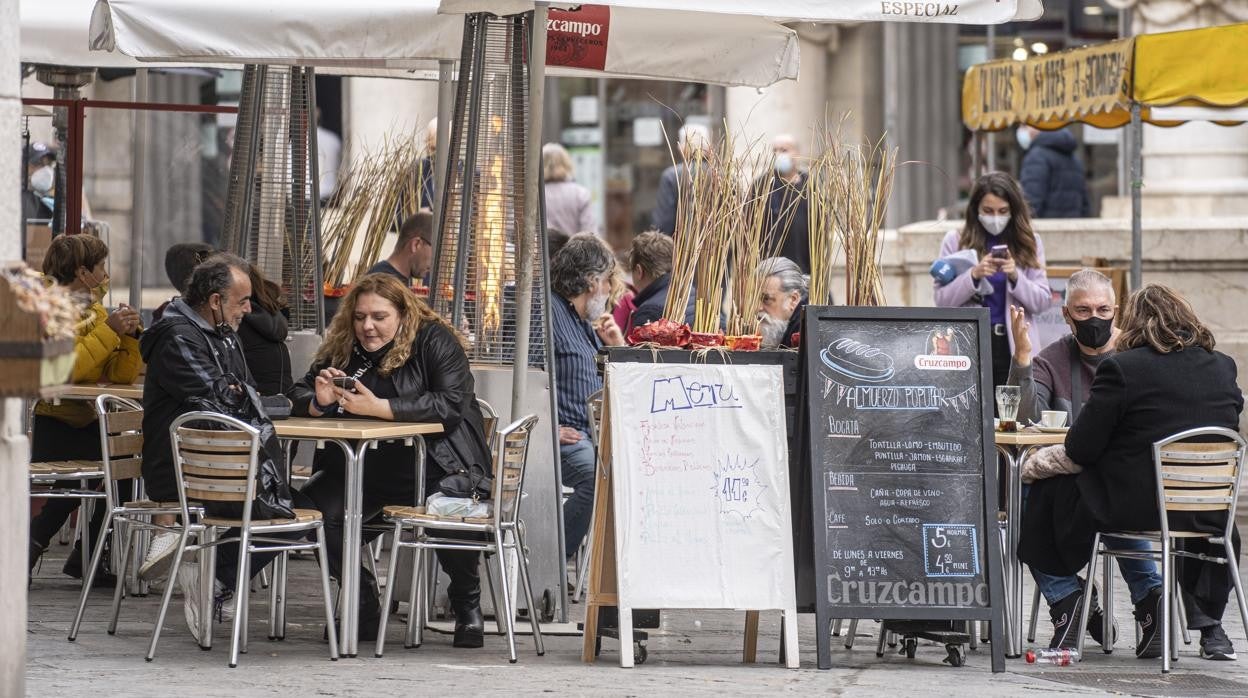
x=489 y=277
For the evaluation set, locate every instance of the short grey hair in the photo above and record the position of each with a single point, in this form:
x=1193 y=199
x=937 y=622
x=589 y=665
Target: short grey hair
x=582 y=260
x=790 y=275
x=694 y=136
x=1088 y=280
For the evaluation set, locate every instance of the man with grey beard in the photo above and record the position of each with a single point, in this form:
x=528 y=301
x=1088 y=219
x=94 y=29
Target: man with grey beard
x=580 y=280
x=781 y=301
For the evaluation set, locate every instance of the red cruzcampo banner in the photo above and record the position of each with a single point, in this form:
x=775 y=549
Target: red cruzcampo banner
x=578 y=38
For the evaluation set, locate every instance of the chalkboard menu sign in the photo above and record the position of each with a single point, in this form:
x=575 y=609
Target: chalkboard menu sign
x=899 y=406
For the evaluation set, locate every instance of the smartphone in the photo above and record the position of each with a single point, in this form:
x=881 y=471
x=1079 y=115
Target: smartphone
x=1000 y=251
x=344 y=382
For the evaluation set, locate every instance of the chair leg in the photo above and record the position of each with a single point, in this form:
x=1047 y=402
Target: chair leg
x=207 y=582
x=1233 y=565
x=388 y=595
x=582 y=569
x=1181 y=610
x=1172 y=620
x=242 y=609
x=369 y=560
x=328 y=598
x=1035 y=614
x=164 y=601
x=489 y=582
x=836 y=627
x=1090 y=576
x=1167 y=583
x=849 y=637
x=506 y=589
x=117 y=591
x=972 y=628
x=522 y=559
x=1107 y=616
x=879 y=645
x=241 y=591
x=95 y=562
x=415 y=599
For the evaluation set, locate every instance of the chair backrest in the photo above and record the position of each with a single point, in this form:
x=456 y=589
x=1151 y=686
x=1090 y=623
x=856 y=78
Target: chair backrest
x=595 y=415
x=510 y=460
x=1199 y=470
x=215 y=464
x=490 y=422
x=121 y=441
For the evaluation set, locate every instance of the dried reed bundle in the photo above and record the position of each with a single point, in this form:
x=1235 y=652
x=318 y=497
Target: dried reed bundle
x=379 y=190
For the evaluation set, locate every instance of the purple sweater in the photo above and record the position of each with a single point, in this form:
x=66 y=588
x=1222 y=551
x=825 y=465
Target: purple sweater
x=1031 y=291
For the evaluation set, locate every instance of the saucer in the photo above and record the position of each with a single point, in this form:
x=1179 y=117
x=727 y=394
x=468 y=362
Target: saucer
x=1052 y=430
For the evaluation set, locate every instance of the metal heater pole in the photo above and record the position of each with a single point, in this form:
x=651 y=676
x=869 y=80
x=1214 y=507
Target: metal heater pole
x=446 y=105
x=138 y=190
x=1137 y=185
x=529 y=233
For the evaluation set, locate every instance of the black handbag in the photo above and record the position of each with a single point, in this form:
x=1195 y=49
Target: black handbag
x=472 y=483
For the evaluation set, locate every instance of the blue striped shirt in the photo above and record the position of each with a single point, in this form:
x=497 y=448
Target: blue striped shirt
x=576 y=372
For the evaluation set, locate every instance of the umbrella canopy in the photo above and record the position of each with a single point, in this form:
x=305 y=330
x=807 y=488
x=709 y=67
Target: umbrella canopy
x=658 y=11
x=411 y=35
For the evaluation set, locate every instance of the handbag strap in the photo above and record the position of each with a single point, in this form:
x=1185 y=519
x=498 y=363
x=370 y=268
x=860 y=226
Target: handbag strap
x=1076 y=380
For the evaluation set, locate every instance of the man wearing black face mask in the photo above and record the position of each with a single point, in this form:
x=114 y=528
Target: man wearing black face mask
x=1060 y=378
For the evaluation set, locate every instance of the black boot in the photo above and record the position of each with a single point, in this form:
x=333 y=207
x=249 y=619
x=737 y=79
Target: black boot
x=1067 y=624
x=73 y=568
x=469 y=626
x=464 y=593
x=36 y=551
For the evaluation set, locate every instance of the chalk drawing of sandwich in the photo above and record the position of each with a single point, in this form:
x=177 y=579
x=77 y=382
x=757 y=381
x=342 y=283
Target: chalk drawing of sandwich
x=857 y=361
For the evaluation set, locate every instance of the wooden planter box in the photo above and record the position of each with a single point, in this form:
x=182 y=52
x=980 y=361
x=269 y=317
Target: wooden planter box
x=29 y=365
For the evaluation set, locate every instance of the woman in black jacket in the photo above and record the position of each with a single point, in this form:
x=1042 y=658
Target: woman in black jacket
x=1165 y=378
x=409 y=365
x=263 y=336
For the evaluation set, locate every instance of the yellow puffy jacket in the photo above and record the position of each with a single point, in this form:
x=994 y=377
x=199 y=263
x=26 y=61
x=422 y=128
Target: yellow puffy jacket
x=100 y=354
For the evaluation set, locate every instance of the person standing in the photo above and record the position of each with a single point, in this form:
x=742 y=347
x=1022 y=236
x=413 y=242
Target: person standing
x=569 y=206
x=783 y=192
x=694 y=144
x=1053 y=178
x=1010 y=268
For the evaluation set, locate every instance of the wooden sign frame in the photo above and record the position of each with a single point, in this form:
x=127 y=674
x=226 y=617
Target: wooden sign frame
x=825 y=612
x=602 y=589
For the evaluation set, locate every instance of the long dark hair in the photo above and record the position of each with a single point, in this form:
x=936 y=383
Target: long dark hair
x=1018 y=234
x=265 y=293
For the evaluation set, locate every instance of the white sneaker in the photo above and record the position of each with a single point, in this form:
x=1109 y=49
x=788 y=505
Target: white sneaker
x=188 y=583
x=159 y=556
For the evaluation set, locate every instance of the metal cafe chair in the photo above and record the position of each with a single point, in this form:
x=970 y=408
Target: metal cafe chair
x=503 y=526
x=1197 y=470
x=216 y=461
x=121 y=444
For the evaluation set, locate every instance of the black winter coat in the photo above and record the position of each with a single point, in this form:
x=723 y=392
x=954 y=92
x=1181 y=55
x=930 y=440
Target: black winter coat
x=185 y=357
x=788 y=215
x=1138 y=397
x=263 y=335
x=435 y=385
x=1053 y=178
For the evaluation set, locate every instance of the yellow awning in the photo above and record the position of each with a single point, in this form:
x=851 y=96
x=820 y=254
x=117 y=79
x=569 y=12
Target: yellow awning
x=1097 y=84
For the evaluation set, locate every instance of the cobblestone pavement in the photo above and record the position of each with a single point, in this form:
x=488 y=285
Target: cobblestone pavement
x=693 y=653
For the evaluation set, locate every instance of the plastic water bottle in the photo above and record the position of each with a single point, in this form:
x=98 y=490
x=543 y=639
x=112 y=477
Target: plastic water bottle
x=1056 y=657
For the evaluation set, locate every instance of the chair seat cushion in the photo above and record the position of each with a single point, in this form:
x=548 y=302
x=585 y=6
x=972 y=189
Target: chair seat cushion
x=67 y=468
x=301 y=516
x=419 y=514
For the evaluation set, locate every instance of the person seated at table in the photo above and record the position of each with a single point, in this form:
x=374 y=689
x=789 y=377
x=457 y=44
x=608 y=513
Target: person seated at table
x=180 y=260
x=412 y=256
x=1060 y=378
x=193 y=346
x=780 y=304
x=263 y=335
x=1164 y=378
x=408 y=365
x=106 y=348
x=580 y=284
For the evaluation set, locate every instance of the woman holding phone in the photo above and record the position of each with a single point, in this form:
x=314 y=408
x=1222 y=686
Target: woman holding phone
x=387 y=356
x=1010 y=270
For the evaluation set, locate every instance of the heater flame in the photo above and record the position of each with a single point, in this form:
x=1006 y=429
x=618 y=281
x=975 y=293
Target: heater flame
x=492 y=241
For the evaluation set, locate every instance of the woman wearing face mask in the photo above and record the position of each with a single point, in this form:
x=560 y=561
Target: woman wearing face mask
x=1010 y=271
x=407 y=364
x=106 y=349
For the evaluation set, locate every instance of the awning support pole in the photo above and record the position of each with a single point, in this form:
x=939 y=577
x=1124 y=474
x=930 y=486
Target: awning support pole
x=1137 y=185
x=138 y=191
x=446 y=103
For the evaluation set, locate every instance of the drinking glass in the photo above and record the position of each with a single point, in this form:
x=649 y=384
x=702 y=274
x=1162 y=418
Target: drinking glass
x=1008 y=397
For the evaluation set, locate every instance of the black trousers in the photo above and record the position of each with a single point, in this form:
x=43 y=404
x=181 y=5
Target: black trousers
x=54 y=440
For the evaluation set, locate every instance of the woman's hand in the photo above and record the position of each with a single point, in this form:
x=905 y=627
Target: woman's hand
x=124 y=320
x=1019 y=327
x=987 y=266
x=1011 y=270
x=364 y=403
x=326 y=392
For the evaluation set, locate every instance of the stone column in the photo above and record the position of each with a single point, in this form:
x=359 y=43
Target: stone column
x=1200 y=168
x=14 y=449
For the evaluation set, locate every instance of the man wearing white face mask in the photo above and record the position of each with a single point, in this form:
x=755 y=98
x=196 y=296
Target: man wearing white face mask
x=782 y=192
x=580 y=280
x=37 y=201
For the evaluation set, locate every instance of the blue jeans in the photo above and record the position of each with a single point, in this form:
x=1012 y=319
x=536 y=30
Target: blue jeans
x=577 y=464
x=1141 y=575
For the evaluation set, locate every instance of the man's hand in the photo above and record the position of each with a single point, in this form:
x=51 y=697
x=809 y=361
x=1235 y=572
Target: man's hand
x=326 y=392
x=987 y=266
x=1022 y=340
x=608 y=331
x=569 y=436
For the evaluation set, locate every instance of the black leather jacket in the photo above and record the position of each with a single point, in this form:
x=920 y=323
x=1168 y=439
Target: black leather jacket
x=435 y=385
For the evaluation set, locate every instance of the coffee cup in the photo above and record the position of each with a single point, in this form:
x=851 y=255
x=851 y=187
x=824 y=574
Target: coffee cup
x=1053 y=418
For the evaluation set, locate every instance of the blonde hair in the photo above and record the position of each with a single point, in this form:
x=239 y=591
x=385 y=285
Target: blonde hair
x=556 y=163
x=413 y=312
x=1157 y=316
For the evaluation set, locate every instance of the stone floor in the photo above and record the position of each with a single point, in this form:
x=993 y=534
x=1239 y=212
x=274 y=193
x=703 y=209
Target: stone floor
x=693 y=653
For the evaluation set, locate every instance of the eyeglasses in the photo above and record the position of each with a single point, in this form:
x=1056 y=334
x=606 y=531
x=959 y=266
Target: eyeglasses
x=1083 y=312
